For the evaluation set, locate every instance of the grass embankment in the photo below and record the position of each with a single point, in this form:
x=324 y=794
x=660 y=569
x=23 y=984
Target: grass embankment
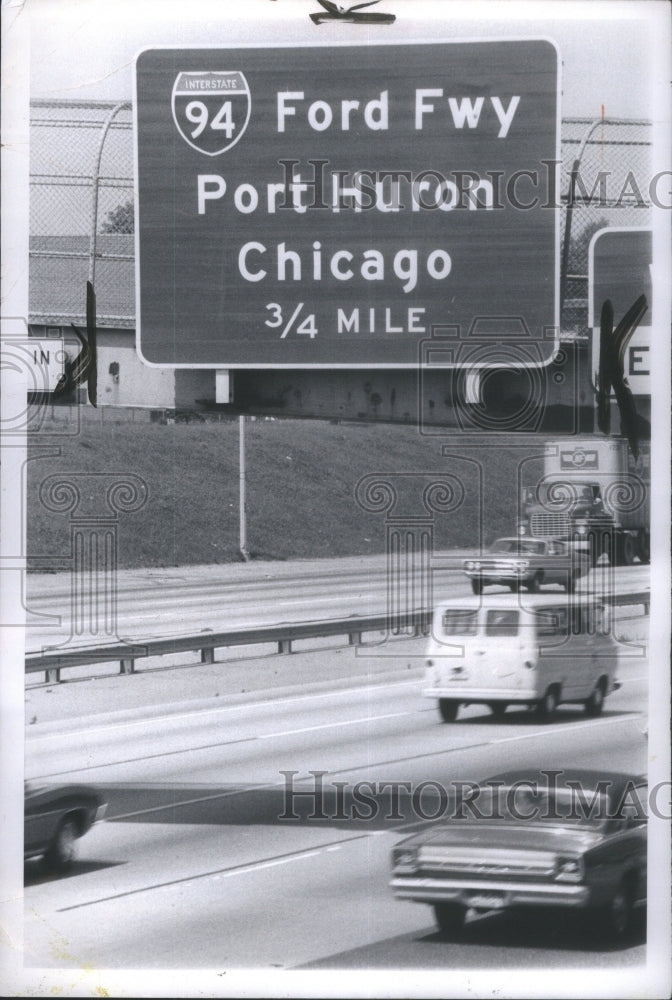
x=301 y=480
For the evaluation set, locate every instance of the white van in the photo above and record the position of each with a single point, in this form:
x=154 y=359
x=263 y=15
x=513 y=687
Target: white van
x=519 y=649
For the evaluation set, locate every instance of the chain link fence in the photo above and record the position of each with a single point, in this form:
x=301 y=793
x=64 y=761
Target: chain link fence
x=81 y=208
x=606 y=177
x=81 y=211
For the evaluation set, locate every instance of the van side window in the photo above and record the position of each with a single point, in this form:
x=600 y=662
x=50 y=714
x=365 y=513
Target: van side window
x=552 y=622
x=458 y=622
x=601 y=619
x=501 y=623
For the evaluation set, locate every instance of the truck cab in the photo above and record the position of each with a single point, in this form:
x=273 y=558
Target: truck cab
x=592 y=494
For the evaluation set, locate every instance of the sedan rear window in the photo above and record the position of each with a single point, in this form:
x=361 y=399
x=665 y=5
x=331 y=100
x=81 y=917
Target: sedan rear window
x=458 y=622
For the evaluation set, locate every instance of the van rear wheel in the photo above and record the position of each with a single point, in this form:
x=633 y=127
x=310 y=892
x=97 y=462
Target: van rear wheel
x=498 y=708
x=595 y=703
x=448 y=709
x=547 y=705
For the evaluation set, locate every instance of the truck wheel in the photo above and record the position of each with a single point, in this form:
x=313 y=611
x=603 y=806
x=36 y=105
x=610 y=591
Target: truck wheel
x=625 y=550
x=644 y=547
x=477 y=586
x=448 y=709
x=595 y=703
x=594 y=549
x=450 y=918
x=547 y=705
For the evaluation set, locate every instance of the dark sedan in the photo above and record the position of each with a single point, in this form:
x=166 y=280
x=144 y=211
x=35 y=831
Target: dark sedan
x=55 y=817
x=570 y=840
x=527 y=562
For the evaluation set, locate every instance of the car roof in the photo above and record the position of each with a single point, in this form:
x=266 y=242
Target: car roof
x=521 y=538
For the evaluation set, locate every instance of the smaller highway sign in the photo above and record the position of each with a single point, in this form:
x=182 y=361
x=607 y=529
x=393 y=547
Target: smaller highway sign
x=619 y=269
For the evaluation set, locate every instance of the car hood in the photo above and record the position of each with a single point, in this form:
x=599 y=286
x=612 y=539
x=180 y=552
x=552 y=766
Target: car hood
x=492 y=834
x=33 y=790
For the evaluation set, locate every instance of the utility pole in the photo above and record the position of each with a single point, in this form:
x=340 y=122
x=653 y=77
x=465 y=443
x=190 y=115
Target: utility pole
x=241 y=490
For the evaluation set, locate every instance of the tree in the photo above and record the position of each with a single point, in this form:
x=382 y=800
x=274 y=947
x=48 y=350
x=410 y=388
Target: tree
x=121 y=219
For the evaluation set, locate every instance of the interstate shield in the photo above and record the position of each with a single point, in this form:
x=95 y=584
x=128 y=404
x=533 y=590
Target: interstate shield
x=211 y=109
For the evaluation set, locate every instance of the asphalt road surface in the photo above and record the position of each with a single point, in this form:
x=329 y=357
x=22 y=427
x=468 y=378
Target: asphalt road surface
x=222 y=850
x=211 y=856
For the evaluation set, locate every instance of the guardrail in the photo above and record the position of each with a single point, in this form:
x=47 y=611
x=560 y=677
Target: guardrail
x=400 y=626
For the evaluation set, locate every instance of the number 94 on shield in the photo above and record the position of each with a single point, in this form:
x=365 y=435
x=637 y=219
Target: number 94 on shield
x=291 y=320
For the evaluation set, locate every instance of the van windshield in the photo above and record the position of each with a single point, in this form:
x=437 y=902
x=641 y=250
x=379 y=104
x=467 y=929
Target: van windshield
x=457 y=621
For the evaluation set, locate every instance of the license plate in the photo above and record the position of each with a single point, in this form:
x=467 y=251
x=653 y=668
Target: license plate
x=487 y=900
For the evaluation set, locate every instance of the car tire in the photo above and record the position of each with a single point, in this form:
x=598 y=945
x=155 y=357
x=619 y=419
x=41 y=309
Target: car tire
x=62 y=849
x=448 y=709
x=498 y=708
x=533 y=584
x=477 y=586
x=547 y=705
x=617 y=914
x=450 y=918
x=595 y=703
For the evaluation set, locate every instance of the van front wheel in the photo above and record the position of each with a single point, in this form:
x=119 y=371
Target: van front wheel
x=448 y=709
x=547 y=705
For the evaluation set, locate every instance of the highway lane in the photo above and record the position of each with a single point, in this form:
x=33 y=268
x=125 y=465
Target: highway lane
x=160 y=603
x=336 y=725
x=197 y=868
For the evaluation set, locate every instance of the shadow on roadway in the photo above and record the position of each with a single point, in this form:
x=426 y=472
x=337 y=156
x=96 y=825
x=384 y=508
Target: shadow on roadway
x=527 y=938
x=35 y=871
x=362 y=806
x=526 y=717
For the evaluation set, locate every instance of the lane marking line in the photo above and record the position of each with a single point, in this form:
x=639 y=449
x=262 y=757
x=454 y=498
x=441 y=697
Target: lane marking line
x=332 y=725
x=241 y=869
x=172 y=717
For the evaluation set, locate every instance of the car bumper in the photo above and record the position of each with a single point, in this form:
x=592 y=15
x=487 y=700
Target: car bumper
x=498 y=576
x=482 y=695
x=491 y=894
